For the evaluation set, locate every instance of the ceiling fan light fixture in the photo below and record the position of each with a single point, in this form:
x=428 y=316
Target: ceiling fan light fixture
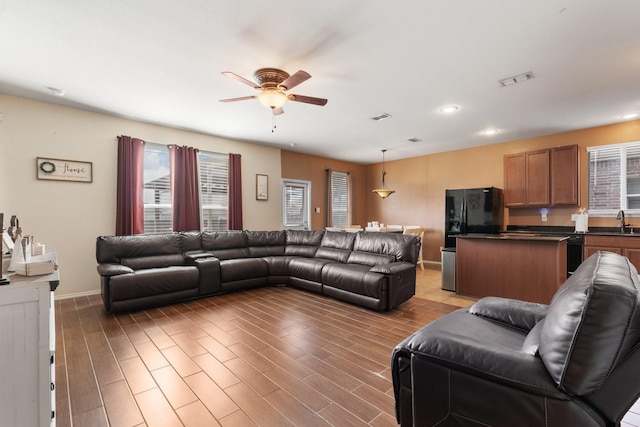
x=383 y=191
x=272 y=98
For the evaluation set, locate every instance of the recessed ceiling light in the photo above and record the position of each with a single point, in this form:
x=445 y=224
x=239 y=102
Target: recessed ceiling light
x=449 y=109
x=490 y=132
x=630 y=116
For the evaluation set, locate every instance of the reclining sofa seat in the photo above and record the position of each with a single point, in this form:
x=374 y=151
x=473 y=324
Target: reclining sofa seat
x=379 y=269
x=504 y=362
x=144 y=270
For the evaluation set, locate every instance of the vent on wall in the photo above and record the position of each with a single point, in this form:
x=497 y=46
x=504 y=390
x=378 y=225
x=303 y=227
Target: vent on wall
x=516 y=79
x=381 y=117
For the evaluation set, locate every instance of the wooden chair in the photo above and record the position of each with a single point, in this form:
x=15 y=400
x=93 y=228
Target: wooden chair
x=416 y=231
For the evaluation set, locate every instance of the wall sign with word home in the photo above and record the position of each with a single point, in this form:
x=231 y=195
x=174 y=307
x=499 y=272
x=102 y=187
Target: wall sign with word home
x=64 y=170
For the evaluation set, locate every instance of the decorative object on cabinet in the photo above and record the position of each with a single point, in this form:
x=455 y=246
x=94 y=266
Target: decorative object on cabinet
x=64 y=170
x=262 y=187
x=383 y=192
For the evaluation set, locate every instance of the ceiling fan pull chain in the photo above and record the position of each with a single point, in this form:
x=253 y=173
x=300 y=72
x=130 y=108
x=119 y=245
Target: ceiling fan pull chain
x=273 y=123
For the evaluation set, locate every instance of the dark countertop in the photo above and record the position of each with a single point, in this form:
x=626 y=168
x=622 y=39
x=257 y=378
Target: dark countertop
x=569 y=231
x=515 y=236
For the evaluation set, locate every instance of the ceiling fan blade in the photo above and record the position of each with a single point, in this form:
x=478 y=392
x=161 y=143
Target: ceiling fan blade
x=308 y=99
x=294 y=80
x=236 y=77
x=242 y=98
x=278 y=111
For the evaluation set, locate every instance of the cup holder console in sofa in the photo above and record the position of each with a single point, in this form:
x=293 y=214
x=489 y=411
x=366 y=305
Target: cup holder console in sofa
x=373 y=270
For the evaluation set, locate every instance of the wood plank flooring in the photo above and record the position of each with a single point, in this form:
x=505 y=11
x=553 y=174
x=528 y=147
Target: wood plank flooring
x=267 y=357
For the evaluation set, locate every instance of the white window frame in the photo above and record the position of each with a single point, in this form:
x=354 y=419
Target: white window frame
x=346 y=208
x=623 y=147
x=306 y=208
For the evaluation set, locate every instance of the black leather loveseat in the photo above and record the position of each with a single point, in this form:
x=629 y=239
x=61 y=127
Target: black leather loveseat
x=373 y=270
x=504 y=362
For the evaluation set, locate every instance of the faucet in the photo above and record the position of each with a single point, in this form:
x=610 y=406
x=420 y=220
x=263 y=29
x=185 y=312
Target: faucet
x=620 y=216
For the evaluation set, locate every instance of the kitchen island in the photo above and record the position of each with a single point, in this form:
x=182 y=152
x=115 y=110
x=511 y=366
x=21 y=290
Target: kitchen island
x=523 y=266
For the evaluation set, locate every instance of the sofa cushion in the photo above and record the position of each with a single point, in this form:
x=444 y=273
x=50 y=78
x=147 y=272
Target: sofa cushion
x=587 y=321
x=155 y=261
x=355 y=279
x=190 y=241
x=111 y=249
x=307 y=268
x=336 y=246
x=303 y=243
x=401 y=247
x=368 y=258
x=226 y=244
x=266 y=243
x=233 y=270
x=154 y=281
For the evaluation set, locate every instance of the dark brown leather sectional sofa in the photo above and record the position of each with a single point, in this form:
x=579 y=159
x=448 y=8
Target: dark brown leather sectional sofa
x=373 y=270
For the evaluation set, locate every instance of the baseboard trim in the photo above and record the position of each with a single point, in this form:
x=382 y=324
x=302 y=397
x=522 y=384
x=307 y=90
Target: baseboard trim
x=433 y=264
x=76 y=295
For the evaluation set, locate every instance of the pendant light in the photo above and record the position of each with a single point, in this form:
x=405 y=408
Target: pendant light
x=383 y=192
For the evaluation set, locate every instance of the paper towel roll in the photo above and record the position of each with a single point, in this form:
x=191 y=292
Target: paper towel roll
x=582 y=223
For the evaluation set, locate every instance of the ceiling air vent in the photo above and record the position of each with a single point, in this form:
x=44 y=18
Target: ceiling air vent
x=516 y=79
x=381 y=117
x=414 y=139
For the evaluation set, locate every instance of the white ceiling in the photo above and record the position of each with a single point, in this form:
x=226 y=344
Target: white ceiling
x=160 y=61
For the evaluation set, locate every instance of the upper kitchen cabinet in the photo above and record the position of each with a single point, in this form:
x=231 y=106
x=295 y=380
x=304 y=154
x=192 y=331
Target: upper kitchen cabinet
x=542 y=178
x=565 y=176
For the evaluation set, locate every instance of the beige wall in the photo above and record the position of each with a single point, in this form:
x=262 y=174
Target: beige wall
x=68 y=217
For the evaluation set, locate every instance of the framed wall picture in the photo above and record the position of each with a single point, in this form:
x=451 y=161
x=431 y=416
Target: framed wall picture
x=64 y=170
x=262 y=187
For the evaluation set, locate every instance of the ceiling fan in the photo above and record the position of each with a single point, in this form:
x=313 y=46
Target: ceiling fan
x=273 y=85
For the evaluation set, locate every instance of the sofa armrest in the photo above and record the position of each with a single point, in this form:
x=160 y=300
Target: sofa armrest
x=392 y=268
x=209 y=270
x=478 y=358
x=113 y=269
x=401 y=280
x=192 y=256
x=515 y=313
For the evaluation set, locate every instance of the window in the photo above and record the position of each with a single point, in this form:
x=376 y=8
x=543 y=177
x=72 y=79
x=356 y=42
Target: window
x=214 y=172
x=614 y=178
x=340 y=204
x=157 y=189
x=214 y=180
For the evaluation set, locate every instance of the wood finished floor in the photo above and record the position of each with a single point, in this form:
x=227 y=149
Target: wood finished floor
x=266 y=357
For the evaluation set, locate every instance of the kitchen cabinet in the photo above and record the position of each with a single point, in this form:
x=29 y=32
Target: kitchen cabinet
x=565 y=176
x=528 y=268
x=628 y=246
x=548 y=177
x=514 y=180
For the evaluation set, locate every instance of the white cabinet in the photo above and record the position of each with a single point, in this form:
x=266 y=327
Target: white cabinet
x=27 y=351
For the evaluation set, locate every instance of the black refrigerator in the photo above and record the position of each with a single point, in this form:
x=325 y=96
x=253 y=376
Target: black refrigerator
x=472 y=210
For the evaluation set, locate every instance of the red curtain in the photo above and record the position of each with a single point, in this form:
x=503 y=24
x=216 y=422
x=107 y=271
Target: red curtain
x=130 y=203
x=235 y=193
x=185 y=192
